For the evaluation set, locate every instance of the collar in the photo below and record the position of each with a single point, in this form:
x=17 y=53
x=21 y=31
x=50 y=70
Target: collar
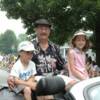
x=78 y=51
x=37 y=41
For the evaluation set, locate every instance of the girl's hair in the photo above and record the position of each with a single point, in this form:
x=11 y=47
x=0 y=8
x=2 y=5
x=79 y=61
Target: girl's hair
x=75 y=36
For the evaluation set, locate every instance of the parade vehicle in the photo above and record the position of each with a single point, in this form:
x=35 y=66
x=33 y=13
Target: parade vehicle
x=84 y=90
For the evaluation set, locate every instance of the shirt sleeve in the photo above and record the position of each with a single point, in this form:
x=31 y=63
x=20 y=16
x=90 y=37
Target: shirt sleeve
x=14 y=71
x=34 y=69
x=60 y=60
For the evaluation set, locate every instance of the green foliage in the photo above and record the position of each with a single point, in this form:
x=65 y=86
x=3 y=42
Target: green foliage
x=22 y=37
x=8 y=42
x=65 y=15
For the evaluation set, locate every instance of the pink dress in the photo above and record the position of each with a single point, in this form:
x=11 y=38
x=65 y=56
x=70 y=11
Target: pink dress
x=79 y=64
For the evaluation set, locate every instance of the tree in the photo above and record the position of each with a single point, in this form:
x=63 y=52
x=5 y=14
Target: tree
x=22 y=37
x=66 y=16
x=97 y=28
x=8 y=42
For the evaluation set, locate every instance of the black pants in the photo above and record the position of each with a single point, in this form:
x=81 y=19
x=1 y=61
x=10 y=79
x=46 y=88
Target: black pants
x=33 y=95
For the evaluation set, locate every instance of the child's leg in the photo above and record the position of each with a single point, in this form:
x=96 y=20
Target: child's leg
x=27 y=93
x=69 y=82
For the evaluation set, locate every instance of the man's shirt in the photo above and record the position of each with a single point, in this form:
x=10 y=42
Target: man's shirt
x=49 y=60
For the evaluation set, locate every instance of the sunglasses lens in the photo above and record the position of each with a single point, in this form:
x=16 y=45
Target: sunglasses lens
x=29 y=52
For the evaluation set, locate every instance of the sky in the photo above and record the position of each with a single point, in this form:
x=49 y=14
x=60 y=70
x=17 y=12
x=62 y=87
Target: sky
x=15 y=25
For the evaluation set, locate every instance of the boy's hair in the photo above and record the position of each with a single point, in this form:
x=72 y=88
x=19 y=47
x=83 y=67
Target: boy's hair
x=87 y=45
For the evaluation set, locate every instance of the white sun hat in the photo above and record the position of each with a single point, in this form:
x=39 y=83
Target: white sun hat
x=26 y=46
x=80 y=32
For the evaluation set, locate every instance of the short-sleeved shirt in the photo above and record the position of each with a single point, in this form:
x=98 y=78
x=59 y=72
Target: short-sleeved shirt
x=21 y=72
x=49 y=60
x=79 y=63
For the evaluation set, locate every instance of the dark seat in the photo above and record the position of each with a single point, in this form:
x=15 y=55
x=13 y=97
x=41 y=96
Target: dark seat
x=50 y=85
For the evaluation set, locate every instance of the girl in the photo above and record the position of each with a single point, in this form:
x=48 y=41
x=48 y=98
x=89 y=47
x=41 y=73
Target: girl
x=76 y=56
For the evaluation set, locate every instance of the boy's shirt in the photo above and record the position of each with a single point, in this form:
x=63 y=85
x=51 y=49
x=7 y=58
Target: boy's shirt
x=23 y=73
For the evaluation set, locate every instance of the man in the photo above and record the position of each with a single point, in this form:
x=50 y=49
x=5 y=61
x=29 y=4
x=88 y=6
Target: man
x=48 y=58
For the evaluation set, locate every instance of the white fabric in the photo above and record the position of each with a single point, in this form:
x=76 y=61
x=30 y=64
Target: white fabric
x=37 y=78
x=23 y=73
x=66 y=79
x=1 y=58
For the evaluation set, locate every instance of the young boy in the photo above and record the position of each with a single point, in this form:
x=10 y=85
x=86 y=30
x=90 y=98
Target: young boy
x=24 y=70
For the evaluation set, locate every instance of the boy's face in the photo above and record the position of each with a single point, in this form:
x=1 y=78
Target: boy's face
x=80 y=41
x=26 y=55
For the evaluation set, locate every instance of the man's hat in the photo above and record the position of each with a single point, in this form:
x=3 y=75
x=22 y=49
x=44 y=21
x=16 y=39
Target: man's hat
x=42 y=22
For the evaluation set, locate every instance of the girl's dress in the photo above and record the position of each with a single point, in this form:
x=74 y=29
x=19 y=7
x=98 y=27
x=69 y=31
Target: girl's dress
x=79 y=63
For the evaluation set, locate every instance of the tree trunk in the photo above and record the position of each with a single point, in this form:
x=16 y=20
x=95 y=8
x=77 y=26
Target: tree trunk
x=97 y=30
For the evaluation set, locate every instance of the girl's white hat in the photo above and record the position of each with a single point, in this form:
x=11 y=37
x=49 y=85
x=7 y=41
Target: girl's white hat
x=79 y=33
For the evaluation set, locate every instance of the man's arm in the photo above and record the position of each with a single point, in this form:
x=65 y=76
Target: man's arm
x=61 y=62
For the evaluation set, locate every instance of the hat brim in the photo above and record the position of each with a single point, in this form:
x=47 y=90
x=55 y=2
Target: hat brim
x=27 y=49
x=78 y=35
x=47 y=25
x=43 y=22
